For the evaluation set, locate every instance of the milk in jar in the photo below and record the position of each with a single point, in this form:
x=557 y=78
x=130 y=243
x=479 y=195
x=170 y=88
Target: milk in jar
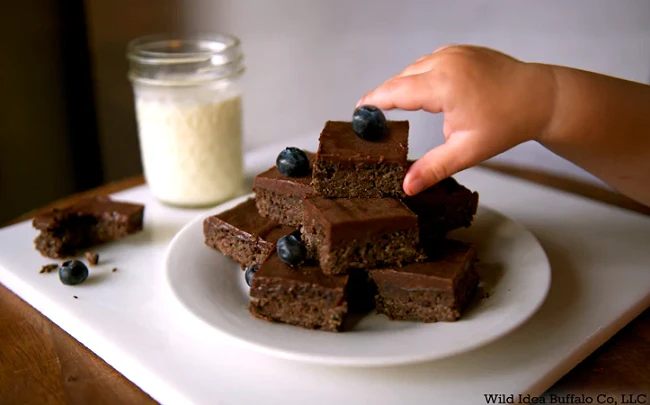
x=189 y=117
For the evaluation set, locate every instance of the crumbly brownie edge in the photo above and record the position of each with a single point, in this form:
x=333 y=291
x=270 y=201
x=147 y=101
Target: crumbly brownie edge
x=404 y=310
x=312 y=236
x=307 y=306
x=61 y=244
x=244 y=252
x=364 y=180
x=285 y=209
x=135 y=222
x=373 y=251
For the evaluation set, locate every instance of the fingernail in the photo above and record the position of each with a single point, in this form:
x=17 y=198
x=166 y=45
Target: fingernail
x=415 y=184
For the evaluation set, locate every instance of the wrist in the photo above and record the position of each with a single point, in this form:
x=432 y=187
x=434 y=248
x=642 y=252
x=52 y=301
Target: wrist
x=547 y=93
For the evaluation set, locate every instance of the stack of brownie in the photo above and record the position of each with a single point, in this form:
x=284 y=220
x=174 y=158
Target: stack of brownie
x=363 y=243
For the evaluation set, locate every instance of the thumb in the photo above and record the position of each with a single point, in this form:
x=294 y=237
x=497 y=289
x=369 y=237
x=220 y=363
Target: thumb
x=461 y=151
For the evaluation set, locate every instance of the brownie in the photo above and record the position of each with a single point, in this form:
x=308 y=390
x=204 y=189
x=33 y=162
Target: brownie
x=348 y=166
x=91 y=221
x=441 y=208
x=279 y=197
x=359 y=233
x=438 y=289
x=242 y=234
x=302 y=296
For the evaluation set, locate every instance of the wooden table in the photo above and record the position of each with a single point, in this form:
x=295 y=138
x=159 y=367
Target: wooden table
x=42 y=364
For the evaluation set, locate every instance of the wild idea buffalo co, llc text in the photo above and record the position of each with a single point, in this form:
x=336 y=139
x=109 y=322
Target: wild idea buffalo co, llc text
x=566 y=399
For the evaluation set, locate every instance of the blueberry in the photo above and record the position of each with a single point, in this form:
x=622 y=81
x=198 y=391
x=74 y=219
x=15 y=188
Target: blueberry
x=368 y=122
x=292 y=162
x=250 y=272
x=291 y=249
x=73 y=272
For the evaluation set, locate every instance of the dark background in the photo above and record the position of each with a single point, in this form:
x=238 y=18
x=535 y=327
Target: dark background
x=66 y=119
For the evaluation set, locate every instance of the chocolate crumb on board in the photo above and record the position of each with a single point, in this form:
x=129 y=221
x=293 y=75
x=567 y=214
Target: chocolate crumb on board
x=48 y=268
x=114 y=269
x=92 y=257
x=75 y=297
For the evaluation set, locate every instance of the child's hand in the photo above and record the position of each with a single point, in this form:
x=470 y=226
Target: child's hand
x=491 y=103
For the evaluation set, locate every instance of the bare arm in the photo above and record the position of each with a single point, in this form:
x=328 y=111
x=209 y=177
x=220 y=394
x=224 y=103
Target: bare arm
x=602 y=124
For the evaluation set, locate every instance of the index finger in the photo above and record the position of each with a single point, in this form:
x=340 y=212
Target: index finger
x=411 y=93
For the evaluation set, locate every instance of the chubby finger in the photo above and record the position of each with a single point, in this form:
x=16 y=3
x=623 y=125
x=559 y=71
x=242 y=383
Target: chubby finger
x=442 y=48
x=411 y=93
x=416 y=68
x=458 y=153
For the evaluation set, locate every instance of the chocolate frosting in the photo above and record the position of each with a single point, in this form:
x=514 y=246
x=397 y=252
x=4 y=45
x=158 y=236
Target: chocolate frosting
x=347 y=219
x=339 y=142
x=92 y=207
x=275 y=181
x=245 y=221
x=442 y=271
x=273 y=269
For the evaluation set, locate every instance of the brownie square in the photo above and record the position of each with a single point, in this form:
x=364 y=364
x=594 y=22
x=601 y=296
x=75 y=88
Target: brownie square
x=348 y=166
x=302 y=296
x=359 y=233
x=91 y=221
x=242 y=234
x=279 y=197
x=441 y=208
x=438 y=289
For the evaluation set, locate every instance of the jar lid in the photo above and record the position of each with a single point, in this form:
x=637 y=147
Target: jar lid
x=184 y=60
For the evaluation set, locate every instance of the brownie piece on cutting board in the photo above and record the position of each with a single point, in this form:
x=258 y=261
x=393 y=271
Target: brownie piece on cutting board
x=242 y=234
x=91 y=221
x=441 y=208
x=348 y=166
x=359 y=233
x=301 y=296
x=279 y=197
x=436 y=290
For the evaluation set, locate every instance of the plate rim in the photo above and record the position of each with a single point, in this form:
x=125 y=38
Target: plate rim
x=340 y=361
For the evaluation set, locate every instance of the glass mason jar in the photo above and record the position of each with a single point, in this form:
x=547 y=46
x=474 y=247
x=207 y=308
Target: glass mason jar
x=189 y=116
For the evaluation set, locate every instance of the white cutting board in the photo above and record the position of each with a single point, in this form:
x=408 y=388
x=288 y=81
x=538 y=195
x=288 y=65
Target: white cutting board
x=601 y=280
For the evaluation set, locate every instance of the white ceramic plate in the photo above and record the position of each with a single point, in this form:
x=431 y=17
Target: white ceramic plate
x=513 y=267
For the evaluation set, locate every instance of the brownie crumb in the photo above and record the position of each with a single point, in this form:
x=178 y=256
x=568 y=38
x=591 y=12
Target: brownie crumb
x=75 y=297
x=486 y=295
x=114 y=269
x=72 y=378
x=48 y=268
x=92 y=257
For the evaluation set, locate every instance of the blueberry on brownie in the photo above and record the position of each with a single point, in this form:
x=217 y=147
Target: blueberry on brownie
x=279 y=197
x=348 y=166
